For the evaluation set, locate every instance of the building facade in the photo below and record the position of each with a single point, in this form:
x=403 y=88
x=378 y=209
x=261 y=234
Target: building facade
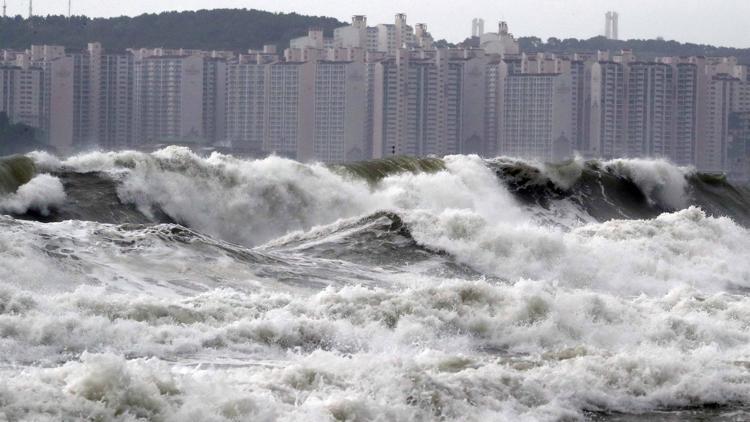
x=169 y=99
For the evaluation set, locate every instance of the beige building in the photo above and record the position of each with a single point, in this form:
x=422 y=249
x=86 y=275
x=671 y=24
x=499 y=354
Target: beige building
x=357 y=35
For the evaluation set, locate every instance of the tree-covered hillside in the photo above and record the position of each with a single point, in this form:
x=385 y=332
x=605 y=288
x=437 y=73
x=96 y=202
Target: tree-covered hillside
x=220 y=29
x=643 y=48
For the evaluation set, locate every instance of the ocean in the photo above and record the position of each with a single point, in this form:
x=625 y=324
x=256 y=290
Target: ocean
x=175 y=287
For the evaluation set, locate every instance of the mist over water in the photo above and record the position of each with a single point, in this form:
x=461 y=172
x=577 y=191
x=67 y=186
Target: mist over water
x=170 y=286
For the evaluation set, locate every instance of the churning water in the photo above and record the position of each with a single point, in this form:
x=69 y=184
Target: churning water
x=172 y=287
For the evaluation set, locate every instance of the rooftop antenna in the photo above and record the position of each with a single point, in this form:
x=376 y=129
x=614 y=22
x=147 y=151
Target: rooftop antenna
x=5 y=9
x=31 y=9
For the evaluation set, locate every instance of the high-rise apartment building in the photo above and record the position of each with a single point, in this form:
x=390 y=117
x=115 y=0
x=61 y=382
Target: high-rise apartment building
x=340 y=112
x=536 y=116
x=580 y=105
x=608 y=105
x=472 y=96
x=688 y=101
x=214 y=99
x=290 y=109
x=116 y=101
x=650 y=110
x=21 y=95
x=495 y=72
x=739 y=146
x=60 y=92
x=57 y=94
x=85 y=108
x=246 y=104
x=419 y=105
x=722 y=92
x=169 y=99
x=389 y=107
x=103 y=109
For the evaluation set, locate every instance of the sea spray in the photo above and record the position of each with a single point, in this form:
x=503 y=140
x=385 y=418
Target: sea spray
x=38 y=195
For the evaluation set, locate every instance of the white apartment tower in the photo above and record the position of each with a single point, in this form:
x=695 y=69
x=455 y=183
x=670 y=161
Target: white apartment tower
x=169 y=99
x=116 y=102
x=608 y=105
x=246 y=105
x=289 y=124
x=650 y=110
x=340 y=112
x=536 y=117
x=214 y=99
x=688 y=103
x=419 y=103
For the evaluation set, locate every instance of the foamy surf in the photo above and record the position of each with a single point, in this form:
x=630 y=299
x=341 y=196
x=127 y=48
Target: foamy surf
x=453 y=289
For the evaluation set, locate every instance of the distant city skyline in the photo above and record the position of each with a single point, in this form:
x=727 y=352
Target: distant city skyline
x=698 y=21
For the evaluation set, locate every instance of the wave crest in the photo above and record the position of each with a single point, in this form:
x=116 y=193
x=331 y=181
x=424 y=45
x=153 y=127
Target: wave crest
x=40 y=194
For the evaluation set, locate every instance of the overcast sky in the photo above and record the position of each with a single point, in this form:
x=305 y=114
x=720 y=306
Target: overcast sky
x=718 y=22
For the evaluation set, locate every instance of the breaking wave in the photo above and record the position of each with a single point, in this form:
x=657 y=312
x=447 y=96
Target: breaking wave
x=264 y=199
x=37 y=196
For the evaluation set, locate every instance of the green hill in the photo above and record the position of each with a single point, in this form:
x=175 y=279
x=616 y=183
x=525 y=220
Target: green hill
x=643 y=48
x=220 y=29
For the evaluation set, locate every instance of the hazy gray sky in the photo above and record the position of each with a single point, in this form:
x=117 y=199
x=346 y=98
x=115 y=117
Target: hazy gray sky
x=720 y=22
